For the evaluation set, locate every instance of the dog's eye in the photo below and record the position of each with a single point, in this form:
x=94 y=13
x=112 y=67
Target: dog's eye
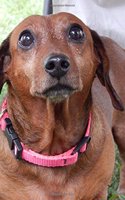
x=76 y=33
x=26 y=40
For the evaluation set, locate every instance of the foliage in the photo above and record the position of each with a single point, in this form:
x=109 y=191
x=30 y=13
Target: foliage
x=14 y=11
x=112 y=194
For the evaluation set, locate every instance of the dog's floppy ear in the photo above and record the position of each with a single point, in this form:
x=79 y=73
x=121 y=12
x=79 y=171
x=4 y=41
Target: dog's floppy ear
x=103 y=71
x=4 y=60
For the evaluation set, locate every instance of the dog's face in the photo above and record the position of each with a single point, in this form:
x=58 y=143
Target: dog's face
x=53 y=57
x=50 y=57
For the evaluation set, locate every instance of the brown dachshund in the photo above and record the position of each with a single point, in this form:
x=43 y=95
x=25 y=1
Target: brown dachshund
x=51 y=111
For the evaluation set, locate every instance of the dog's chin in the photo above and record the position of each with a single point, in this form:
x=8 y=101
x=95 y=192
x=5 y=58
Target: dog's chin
x=58 y=93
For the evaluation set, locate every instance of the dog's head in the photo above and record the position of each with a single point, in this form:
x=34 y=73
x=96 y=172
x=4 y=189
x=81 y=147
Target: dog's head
x=54 y=57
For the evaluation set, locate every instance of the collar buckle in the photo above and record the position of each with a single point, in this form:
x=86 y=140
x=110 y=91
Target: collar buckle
x=83 y=141
x=13 y=139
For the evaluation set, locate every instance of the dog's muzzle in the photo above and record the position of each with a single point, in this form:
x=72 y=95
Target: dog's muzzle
x=58 y=92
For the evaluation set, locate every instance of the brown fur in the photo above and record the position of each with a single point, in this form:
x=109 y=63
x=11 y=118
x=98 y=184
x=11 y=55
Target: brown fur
x=53 y=127
x=116 y=118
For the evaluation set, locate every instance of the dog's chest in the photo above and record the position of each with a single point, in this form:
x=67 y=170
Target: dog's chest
x=39 y=192
x=30 y=186
x=34 y=189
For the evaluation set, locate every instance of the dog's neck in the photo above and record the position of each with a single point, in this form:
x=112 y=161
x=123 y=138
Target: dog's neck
x=46 y=127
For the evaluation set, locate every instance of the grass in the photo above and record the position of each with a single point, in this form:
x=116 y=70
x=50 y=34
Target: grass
x=11 y=13
x=112 y=193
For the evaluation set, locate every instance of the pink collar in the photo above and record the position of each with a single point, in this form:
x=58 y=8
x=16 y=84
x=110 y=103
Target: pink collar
x=21 y=152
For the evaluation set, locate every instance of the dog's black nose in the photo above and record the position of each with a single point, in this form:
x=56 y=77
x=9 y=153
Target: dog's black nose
x=57 y=66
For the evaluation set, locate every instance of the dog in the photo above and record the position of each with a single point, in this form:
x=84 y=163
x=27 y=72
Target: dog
x=56 y=140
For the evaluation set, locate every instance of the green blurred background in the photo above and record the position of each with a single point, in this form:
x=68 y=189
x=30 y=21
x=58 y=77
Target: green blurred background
x=14 y=11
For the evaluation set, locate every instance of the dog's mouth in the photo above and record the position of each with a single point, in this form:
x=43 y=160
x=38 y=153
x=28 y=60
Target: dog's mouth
x=58 y=92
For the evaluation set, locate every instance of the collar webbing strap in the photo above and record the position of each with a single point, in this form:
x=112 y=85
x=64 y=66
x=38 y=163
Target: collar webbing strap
x=21 y=152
